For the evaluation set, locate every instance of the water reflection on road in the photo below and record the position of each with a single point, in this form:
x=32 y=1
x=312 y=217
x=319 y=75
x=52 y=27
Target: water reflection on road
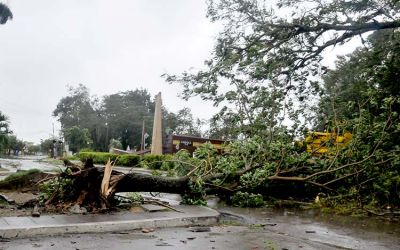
x=344 y=232
x=26 y=163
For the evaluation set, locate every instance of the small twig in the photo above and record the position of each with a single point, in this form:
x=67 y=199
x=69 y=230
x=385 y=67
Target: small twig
x=192 y=171
x=164 y=205
x=47 y=178
x=343 y=177
x=220 y=187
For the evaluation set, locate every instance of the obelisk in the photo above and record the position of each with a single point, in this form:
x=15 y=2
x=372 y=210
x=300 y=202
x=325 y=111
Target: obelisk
x=156 y=142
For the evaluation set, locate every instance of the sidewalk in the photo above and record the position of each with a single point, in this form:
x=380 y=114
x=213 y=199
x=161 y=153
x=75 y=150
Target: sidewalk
x=13 y=227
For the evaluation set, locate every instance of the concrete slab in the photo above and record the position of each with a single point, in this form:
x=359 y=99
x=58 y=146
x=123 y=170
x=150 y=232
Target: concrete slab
x=18 y=221
x=66 y=224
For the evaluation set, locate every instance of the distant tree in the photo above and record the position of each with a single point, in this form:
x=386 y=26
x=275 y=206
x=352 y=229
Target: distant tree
x=5 y=13
x=46 y=146
x=119 y=115
x=14 y=145
x=79 y=109
x=124 y=113
x=75 y=109
x=4 y=131
x=114 y=143
x=77 y=138
x=182 y=123
x=33 y=149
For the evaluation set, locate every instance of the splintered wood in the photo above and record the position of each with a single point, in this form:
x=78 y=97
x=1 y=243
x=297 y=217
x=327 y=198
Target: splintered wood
x=105 y=183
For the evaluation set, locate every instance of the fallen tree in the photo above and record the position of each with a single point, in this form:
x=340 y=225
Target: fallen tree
x=250 y=169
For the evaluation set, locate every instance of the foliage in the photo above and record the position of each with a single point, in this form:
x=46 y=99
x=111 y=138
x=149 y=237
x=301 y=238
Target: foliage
x=124 y=114
x=14 y=144
x=129 y=160
x=75 y=109
x=369 y=72
x=135 y=197
x=363 y=97
x=21 y=174
x=265 y=61
x=33 y=149
x=46 y=145
x=97 y=157
x=8 y=141
x=114 y=143
x=158 y=162
x=244 y=199
x=121 y=115
x=77 y=138
x=4 y=131
x=58 y=186
x=183 y=123
x=263 y=74
x=279 y=169
x=189 y=200
x=5 y=13
x=19 y=179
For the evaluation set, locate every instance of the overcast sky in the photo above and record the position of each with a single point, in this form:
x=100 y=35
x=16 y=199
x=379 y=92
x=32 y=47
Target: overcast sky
x=109 y=46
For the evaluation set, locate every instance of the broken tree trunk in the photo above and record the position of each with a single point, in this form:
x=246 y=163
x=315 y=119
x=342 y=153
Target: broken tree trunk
x=135 y=182
x=95 y=187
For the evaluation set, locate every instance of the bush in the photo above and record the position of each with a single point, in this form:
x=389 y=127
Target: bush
x=97 y=157
x=157 y=162
x=148 y=161
x=128 y=160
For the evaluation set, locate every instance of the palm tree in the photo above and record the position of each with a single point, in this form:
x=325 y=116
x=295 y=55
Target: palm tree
x=3 y=131
x=5 y=13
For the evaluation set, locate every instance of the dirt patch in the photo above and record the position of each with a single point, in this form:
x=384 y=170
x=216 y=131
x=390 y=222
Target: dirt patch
x=17 y=208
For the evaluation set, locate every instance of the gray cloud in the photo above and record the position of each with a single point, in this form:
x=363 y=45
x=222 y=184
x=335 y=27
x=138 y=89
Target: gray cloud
x=109 y=46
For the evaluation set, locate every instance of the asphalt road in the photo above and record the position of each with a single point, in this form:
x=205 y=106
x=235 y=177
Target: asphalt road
x=239 y=229
x=220 y=237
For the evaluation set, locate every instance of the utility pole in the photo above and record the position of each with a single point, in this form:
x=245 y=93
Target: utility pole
x=142 y=139
x=107 y=142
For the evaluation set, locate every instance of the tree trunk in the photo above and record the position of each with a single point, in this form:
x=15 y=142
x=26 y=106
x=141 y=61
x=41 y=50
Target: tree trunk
x=134 y=182
x=94 y=188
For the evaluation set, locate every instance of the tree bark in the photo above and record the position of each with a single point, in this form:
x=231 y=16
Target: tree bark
x=134 y=182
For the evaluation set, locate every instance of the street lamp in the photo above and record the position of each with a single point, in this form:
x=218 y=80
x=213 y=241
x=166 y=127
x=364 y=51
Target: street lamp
x=107 y=142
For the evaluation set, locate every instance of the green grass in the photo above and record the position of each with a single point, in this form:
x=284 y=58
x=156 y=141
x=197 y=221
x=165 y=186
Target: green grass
x=19 y=175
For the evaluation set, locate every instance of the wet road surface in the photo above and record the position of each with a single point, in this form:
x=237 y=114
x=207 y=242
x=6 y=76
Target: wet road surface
x=240 y=229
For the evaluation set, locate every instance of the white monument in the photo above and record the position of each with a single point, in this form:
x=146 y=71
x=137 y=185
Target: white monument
x=156 y=142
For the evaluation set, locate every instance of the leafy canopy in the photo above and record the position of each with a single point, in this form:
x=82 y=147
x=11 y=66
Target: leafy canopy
x=262 y=68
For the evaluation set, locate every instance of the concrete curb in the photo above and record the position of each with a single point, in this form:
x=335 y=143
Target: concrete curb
x=20 y=227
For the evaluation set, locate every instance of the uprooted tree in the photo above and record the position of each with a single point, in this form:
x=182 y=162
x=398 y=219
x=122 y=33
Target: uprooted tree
x=250 y=169
x=267 y=61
